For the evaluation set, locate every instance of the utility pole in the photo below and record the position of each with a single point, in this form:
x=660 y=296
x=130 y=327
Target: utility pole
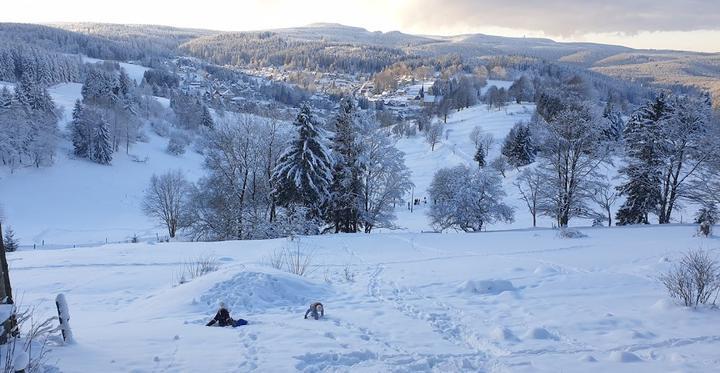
x=9 y=325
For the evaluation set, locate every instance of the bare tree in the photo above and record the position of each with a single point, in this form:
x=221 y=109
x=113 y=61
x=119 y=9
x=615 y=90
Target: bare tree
x=166 y=200
x=500 y=165
x=604 y=195
x=476 y=135
x=570 y=158
x=529 y=183
x=433 y=135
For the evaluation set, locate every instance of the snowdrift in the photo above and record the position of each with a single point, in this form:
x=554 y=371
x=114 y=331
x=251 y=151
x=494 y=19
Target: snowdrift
x=253 y=292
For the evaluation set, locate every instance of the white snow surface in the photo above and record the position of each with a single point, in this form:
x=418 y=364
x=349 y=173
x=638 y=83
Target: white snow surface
x=78 y=202
x=601 y=309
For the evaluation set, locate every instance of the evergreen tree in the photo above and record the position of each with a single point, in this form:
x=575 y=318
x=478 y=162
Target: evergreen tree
x=125 y=84
x=33 y=96
x=708 y=214
x=480 y=157
x=518 y=147
x=10 y=243
x=102 y=148
x=303 y=173
x=616 y=125
x=346 y=187
x=642 y=175
x=79 y=131
x=206 y=119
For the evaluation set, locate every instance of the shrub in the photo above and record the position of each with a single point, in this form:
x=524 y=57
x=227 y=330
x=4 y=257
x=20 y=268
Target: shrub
x=695 y=280
x=197 y=267
x=294 y=258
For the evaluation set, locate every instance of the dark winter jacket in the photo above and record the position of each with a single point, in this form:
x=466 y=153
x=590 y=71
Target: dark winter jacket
x=316 y=310
x=222 y=318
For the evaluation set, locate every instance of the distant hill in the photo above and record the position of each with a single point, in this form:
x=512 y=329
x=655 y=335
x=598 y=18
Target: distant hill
x=335 y=47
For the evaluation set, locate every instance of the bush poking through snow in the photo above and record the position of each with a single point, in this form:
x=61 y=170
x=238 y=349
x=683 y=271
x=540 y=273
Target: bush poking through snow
x=276 y=259
x=28 y=350
x=349 y=274
x=695 y=280
x=298 y=259
x=197 y=267
x=294 y=258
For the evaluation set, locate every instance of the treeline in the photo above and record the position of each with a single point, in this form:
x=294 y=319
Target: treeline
x=265 y=180
x=62 y=41
x=109 y=115
x=139 y=42
x=45 y=67
x=28 y=125
x=670 y=151
x=271 y=49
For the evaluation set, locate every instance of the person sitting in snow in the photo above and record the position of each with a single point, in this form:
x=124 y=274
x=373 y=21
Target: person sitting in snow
x=316 y=310
x=222 y=318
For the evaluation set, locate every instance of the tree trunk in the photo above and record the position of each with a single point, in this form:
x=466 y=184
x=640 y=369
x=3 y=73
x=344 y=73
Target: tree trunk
x=9 y=325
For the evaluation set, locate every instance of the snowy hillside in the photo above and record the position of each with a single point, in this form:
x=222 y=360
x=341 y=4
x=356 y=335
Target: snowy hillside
x=457 y=148
x=520 y=301
x=77 y=202
x=79 y=214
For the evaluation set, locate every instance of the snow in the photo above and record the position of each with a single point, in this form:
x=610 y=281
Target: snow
x=64 y=95
x=457 y=148
x=510 y=299
x=134 y=71
x=77 y=202
x=400 y=313
x=486 y=286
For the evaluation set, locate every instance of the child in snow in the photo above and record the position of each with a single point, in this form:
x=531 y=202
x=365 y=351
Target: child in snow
x=222 y=318
x=316 y=310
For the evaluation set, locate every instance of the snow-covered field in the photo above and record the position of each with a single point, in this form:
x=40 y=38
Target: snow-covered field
x=78 y=202
x=515 y=301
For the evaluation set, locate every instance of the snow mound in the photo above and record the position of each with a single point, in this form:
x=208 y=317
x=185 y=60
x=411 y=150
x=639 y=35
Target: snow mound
x=571 y=233
x=624 y=357
x=545 y=270
x=540 y=333
x=503 y=334
x=663 y=305
x=492 y=287
x=588 y=359
x=257 y=291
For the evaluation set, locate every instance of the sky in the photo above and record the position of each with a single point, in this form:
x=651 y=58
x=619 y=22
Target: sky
x=653 y=24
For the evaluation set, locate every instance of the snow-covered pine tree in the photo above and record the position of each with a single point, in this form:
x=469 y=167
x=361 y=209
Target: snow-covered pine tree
x=33 y=96
x=518 y=147
x=102 y=147
x=480 y=157
x=669 y=142
x=303 y=172
x=346 y=188
x=708 y=214
x=125 y=85
x=206 y=119
x=79 y=131
x=11 y=244
x=641 y=174
x=616 y=125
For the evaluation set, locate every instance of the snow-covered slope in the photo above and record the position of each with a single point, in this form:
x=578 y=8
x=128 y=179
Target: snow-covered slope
x=457 y=148
x=77 y=202
x=518 y=301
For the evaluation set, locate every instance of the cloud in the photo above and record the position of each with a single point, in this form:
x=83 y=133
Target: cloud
x=566 y=17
